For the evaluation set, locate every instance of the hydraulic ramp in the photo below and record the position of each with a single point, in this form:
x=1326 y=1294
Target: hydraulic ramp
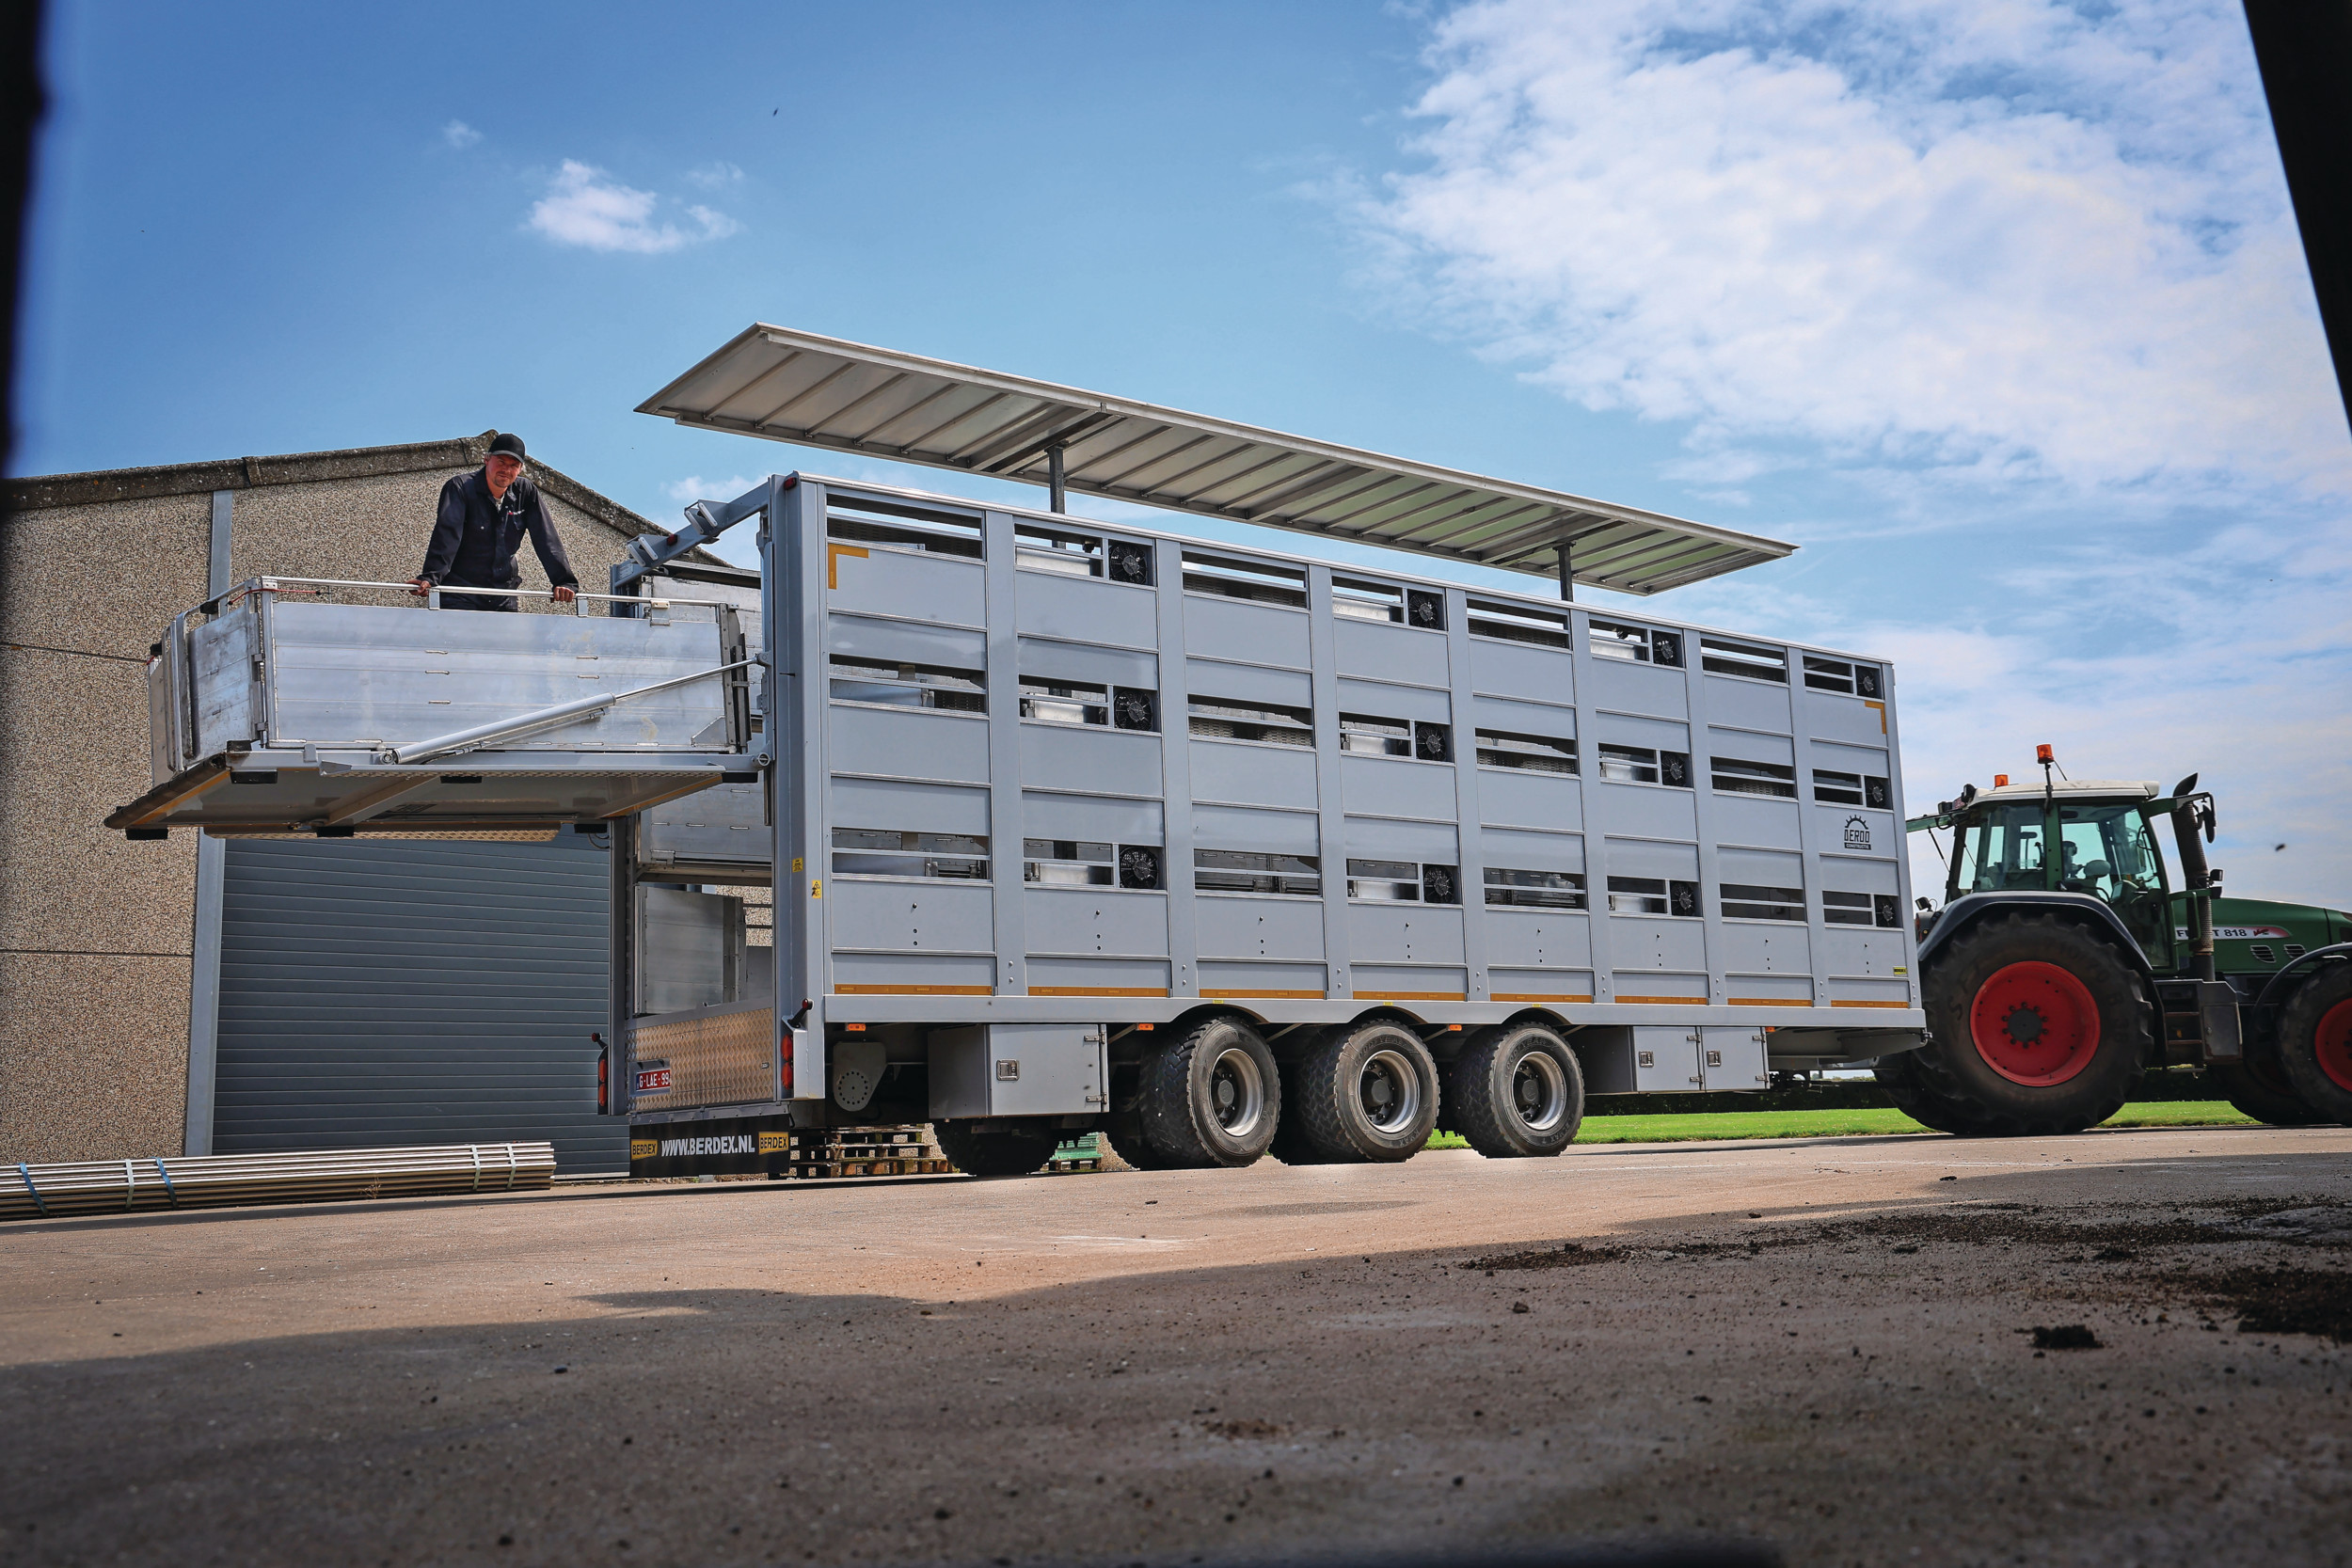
x=276 y=710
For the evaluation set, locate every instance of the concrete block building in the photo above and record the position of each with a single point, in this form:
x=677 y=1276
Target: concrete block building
x=204 y=996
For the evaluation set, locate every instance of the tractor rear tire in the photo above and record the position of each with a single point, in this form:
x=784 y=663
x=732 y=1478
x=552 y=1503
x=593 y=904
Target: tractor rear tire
x=1211 y=1096
x=1015 y=1152
x=2315 y=1042
x=1516 y=1092
x=2035 y=1026
x=1367 y=1092
x=2258 y=1087
x=1907 y=1087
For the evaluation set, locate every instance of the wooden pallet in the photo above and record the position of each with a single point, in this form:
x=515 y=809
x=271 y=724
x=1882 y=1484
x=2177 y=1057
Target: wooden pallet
x=863 y=1151
x=800 y=1169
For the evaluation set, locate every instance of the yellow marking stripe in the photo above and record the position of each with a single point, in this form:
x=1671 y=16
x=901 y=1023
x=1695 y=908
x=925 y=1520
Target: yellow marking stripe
x=1098 y=991
x=915 y=991
x=1264 y=995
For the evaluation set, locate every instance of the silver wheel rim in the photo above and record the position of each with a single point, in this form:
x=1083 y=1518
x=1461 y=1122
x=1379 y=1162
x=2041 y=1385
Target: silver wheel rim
x=1390 y=1092
x=1236 y=1092
x=1539 y=1092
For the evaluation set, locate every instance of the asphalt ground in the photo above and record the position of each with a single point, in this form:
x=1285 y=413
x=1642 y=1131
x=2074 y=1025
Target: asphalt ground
x=1825 y=1347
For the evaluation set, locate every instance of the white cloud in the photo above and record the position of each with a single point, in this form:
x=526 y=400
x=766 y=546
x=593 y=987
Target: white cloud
x=459 y=135
x=586 y=207
x=2005 y=241
x=2231 y=659
x=2020 y=271
x=716 y=225
x=717 y=176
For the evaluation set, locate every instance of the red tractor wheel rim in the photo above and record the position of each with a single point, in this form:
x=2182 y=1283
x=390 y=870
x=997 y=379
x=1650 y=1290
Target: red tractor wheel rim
x=2332 y=1040
x=2035 y=1024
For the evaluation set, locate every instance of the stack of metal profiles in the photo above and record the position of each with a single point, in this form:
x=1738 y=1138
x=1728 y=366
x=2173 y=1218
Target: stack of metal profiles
x=790 y=385
x=310 y=1176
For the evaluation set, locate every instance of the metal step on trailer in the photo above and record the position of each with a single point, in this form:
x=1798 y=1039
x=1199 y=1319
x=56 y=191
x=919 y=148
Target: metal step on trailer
x=277 y=709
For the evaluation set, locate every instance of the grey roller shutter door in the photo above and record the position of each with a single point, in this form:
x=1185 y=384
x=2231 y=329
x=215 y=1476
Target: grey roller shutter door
x=383 y=993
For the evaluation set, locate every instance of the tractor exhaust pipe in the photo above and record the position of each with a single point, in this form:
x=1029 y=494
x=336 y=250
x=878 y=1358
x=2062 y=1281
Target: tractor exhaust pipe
x=2192 y=814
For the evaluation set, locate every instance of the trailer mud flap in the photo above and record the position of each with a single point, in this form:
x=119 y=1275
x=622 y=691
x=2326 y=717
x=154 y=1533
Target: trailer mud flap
x=744 y=1145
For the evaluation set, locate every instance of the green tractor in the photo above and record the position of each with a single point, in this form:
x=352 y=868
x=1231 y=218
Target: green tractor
x=2066 y=962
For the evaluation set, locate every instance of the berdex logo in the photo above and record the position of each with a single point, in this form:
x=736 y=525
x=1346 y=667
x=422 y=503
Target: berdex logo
x=734 y=1143
x=1857 y=833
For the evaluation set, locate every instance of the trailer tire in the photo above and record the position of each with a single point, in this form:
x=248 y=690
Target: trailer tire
x=1907 y=1087
x=1291 y=1145
x=1211 y=1096
x=1368 y=1091
x=2315 y=1042
x=2035 y=1026
x=1124 y=1129
x=1516 y=1092
x=1013 y=1152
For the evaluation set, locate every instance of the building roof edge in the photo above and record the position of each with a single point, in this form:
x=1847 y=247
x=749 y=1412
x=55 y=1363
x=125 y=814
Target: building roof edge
x=42 y=492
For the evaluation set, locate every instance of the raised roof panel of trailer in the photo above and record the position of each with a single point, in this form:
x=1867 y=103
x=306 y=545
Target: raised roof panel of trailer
x=789 y=386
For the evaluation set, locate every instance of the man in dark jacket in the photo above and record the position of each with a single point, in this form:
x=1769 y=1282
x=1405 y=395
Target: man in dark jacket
x=484 y=516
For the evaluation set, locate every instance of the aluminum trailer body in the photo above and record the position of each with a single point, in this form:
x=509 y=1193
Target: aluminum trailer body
x=1046 y=787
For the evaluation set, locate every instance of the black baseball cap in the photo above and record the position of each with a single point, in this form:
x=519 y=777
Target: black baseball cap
x=507 y=445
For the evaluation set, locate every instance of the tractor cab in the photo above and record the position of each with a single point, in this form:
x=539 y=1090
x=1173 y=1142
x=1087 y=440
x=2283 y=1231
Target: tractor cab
x=2087 y=835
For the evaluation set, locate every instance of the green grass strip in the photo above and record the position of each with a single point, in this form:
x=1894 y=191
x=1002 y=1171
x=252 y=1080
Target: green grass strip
x=1846 y=1124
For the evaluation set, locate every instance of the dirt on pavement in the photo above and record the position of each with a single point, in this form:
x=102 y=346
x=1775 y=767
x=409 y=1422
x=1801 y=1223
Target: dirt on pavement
x=2121 y=1347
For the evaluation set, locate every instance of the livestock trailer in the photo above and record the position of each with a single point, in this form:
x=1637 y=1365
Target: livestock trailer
x=1055 y=825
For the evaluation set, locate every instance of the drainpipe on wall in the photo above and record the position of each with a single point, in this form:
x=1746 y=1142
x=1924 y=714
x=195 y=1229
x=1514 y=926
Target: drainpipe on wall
x=211 y=856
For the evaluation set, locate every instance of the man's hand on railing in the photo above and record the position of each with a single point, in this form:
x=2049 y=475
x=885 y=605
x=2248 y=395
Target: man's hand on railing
x=420 y=586
x=563 y=594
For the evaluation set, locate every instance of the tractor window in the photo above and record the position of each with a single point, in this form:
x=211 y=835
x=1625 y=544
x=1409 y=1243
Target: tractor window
x=2003 y=852
x=2106 y=851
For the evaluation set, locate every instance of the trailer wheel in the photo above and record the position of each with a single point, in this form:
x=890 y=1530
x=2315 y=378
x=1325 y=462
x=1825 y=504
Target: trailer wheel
x=1907 y=1087
x=1014 y=1152
x=1516 y=1092
x=2036 y=1027
x=1369 y=1092
x=1211 y=1096
x=1125 y=1131
x=2315 y=1042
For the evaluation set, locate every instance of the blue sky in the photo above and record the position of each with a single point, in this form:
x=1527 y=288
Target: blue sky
x=1995 y=308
